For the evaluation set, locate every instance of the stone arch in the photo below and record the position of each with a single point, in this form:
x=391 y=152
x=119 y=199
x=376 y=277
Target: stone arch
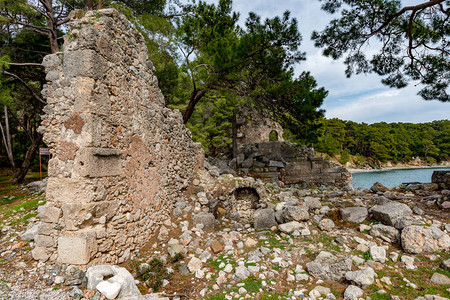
x=273 y=136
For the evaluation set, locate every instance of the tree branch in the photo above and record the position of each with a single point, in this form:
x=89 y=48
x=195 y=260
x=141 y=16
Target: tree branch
x=26 y=86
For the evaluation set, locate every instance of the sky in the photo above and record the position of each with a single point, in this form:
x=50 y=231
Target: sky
x=361 y=98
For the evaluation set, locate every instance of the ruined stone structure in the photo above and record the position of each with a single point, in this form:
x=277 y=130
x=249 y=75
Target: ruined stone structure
x=120 y=157
x=258 y=155
x=251 y=126
x=291 y=164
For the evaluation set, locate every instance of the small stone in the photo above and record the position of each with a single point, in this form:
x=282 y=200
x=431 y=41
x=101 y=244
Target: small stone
x=378 y=254
x=194 y=264
x=352 y=292
x=250 y=243
x=109 y=289
x=362 y=278
x=326 y=225
x=216 y=247
x=242 y=273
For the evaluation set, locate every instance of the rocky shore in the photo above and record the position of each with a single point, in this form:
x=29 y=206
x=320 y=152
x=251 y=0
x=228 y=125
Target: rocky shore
x=285 y=243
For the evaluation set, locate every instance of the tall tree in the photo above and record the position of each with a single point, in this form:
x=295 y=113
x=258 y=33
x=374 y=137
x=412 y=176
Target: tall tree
x=413 y=41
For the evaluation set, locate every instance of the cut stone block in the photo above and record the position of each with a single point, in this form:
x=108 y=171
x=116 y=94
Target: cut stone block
x=76 y=249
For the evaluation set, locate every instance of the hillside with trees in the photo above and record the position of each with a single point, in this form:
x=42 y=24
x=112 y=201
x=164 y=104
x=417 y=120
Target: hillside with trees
x=383 y=142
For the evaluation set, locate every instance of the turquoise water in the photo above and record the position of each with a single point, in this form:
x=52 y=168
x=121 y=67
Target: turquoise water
x=392 y=178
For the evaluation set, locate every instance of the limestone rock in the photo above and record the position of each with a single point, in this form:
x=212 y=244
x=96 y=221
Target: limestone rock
x=295 y=213
x=388 y=232
x=378 y=187
x=310 y=203
x=37 y=186
x=176 y=250
x=327 y=267
x=30 y=233
x=354 y=214
x=417 y=239
x=121 y=280
x=352 y=292
x=326 y=224
x=446 y=265
x=264 y=218
x=242 y=273
x=378 y=254
x=194 y=265
x=393 y=214
x=440 y=279
x=109 y=289
x=207 y=219
x=290 y=227
x=363 y=278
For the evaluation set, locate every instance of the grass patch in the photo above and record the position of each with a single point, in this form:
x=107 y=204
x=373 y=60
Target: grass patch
x=153 y=275
x=274 y=241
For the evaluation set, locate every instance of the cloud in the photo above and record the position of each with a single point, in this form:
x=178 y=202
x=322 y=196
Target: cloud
x=361 y=98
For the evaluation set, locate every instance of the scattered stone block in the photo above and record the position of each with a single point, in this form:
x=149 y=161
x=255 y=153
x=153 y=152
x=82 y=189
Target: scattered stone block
x=354 y=214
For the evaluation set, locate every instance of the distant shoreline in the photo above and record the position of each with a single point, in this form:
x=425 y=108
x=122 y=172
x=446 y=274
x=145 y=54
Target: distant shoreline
x=396 y=168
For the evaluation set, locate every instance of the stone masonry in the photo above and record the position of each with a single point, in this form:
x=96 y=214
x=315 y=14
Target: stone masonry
x=290 y=164
x=120 y=157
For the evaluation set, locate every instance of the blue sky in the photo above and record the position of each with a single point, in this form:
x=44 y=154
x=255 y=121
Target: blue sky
x=362 y=98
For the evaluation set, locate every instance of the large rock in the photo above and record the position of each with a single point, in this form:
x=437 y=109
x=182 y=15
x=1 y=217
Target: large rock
x=290 y=227
x=378 y=254
x=418 y=239
x=295 y=213
x=378 y=187
x=121 y=281
x=386 y=232
x=207 y=219
x=327 y=267
x=264 y=218
x=37 y=186
x=393 y=214
x=440 y=279
x=352 y=292
x=354 y=214
x=363 y=278
x=30 y=233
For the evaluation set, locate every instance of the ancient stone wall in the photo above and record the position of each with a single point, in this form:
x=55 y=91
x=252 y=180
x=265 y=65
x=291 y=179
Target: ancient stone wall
x=289 y=163
x=120 y=156
x=251 y=126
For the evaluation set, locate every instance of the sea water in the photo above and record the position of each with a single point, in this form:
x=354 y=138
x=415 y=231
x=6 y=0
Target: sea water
x=391 y=178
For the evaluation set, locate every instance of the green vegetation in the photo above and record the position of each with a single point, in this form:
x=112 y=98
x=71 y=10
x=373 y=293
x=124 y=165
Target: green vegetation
x=396 y=142
x=154 y=275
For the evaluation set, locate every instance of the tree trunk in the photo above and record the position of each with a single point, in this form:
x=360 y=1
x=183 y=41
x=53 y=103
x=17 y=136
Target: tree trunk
x=7 y=141
x=20 y=176
x=52 y=25
x=195 y=97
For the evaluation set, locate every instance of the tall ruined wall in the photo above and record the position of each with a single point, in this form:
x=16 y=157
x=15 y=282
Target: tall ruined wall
x=120 y=157
x=251 y=126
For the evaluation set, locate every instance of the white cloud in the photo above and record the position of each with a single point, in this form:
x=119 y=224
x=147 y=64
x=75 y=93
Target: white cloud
x=361 y=98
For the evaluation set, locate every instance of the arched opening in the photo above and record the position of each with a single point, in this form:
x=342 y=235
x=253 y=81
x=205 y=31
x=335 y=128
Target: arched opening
x=247 y=200
x=273 y=136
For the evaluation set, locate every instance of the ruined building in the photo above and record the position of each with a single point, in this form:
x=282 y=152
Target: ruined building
x=120 y=157
x=259 y=151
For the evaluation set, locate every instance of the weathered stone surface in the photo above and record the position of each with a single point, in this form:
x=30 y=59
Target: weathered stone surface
x=264 y=218
x=446 y=265
x=389 y=232
x=310 y=203
x=295 y=213
x=37 y=186
x=352 y=292
x=326 y=225
x=120 y=157
x=440 y=279
x=30 y=233
x=241 y=273
x=120 y=278
x=207 y=219
x=363 y=278
x=49 y=214
x=216 y=247
x=378 y=254
x=354 y=214
x=393 y=214
x=290 y=227
x=378 y=187
x=77 y=248
x=194 y=265
x=327 y=267
x=418 y=239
